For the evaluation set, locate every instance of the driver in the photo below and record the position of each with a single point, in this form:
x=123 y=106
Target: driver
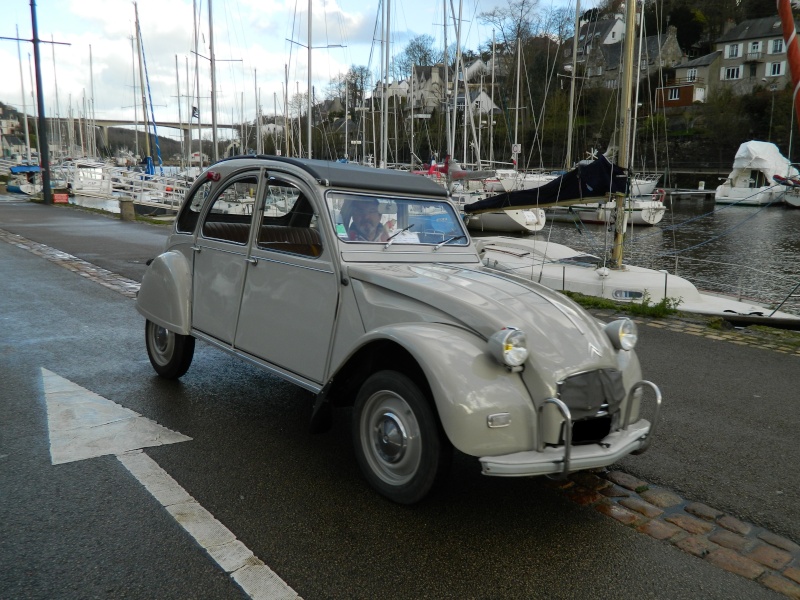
x=366 y=225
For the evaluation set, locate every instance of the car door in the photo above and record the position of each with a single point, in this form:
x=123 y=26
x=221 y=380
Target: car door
x=220 y=258
x=291 y=290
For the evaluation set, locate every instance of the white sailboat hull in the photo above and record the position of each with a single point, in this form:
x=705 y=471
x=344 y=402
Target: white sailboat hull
x=509 y=221
x=640 y=212
x=562 y=268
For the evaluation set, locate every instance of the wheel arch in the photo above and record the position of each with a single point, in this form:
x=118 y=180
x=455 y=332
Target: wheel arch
x=165 y=293
x=452 y=367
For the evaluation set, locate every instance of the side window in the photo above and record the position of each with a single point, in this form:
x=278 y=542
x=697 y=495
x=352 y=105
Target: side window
x=289 y=223
x=187 y=220
x=231 y=212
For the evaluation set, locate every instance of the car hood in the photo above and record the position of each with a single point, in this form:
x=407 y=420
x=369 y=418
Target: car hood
x=562 y=337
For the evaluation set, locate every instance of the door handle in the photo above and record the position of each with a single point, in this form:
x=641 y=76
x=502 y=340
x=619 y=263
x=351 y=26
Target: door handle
x=196 y=248
x=252 y=260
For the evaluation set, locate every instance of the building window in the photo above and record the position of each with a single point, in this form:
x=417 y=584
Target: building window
x=776 y=69
x=733 y=51
x=674 y=94
x=753 y=70
x=691 y=75
x=731 y=73
x=777 y=46
x=755 y=47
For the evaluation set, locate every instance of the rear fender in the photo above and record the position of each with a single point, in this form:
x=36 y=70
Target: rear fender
x=165 y=294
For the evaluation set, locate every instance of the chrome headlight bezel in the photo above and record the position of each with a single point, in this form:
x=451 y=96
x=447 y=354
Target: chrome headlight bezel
x=623 y=333
x=509 y=347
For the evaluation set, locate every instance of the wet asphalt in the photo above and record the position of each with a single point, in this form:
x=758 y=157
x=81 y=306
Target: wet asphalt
x=728 y=438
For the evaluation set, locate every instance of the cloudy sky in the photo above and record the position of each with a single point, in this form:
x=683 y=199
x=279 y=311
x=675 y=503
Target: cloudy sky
x=251 y=45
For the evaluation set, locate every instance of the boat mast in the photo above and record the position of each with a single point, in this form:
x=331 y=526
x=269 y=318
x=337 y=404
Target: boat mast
x=455 y=82
x=792 y=49
x=146 y=120
x=92 y=141
x=135 y=105
x=385 y=95
x=446 y=83
x=24 y=107
x=412 y=116
x=568 y=162
x=309 y=99
x=188 y=134
x=215 y=149
x=195 y=18
x=624 y=128
x=491 y=115
x=514 y=152
x=58 y=109
x=180 y=117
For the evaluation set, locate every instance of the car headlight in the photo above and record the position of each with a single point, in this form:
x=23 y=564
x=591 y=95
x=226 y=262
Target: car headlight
x=509 y=347
x=623 y=334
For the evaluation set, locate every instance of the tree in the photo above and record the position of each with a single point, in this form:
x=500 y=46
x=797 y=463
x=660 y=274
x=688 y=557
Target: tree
x=688 y=20
x=512 y=22
x=420 y=52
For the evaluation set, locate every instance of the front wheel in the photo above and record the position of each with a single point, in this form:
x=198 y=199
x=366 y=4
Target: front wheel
x=170 y=353
x=399 y=444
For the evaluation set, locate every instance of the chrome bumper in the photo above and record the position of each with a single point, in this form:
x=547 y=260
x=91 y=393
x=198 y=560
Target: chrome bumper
x=632 y=438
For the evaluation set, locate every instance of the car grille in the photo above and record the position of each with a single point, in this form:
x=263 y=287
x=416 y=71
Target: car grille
x=593 y=399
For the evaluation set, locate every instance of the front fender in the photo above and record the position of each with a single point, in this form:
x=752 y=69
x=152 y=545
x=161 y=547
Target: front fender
x=468 y=385
x=165 y=293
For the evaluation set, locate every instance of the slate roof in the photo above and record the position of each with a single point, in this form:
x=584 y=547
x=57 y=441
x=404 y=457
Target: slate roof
x=754 y=29
x=702 y=61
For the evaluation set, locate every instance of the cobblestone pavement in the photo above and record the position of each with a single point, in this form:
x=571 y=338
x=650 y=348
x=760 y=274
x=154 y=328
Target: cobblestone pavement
x=703 y=531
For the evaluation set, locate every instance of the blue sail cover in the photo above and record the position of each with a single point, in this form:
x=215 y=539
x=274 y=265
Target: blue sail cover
x=26 y=169
x=585 y=183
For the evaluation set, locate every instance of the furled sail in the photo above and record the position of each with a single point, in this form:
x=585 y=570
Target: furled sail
x=591 y=182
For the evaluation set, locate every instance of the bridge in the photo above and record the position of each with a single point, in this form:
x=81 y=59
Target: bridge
x=104 y=124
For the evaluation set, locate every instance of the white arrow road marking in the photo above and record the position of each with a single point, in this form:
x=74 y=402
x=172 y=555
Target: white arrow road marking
x=84 y=425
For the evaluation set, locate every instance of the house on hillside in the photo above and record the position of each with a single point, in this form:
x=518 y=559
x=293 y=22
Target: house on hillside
x=747 y=55
x=692 y=83
x=428 y=88
x=593 y=35
x=481 y=102
x=753 y=53
x=13 y=147
x=660 y=53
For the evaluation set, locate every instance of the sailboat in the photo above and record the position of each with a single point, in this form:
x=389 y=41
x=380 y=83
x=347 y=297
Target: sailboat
x=562 y=268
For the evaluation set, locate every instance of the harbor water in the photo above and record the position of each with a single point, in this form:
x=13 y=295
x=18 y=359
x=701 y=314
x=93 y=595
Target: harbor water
x=743 y=251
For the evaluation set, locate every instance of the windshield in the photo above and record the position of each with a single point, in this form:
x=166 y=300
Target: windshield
x=368 y=218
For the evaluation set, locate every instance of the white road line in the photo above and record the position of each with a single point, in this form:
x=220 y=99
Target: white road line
x=85 y=425
x=253 y=576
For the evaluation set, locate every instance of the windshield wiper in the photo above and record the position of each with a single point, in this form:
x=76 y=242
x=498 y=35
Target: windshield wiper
x=447 y=241
x=390 y=241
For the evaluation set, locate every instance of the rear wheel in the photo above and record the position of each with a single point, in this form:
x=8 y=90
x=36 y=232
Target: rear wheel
x=170 y=353
x=398 y=441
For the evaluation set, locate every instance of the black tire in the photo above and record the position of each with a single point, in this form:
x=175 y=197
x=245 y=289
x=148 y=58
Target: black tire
x=170 y=353
x=398 y=441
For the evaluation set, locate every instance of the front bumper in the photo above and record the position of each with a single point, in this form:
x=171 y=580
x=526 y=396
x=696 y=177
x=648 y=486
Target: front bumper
x=632 y=438
x=550 y=461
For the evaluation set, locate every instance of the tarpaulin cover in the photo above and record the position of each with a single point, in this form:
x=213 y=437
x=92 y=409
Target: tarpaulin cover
x=585 y=183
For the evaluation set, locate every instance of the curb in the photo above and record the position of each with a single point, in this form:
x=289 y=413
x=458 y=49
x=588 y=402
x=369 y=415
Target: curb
x=705 y=532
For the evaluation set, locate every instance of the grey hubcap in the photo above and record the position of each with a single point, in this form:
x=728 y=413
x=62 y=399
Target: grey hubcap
x=162 y=343
x=390 y=437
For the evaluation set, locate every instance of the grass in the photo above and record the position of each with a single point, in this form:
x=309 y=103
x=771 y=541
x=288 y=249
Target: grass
x=645 y=308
